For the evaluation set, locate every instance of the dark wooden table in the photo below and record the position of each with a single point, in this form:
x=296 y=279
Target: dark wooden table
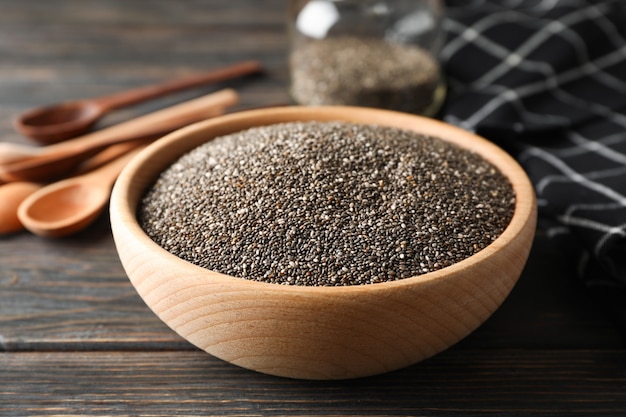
x=75 y=338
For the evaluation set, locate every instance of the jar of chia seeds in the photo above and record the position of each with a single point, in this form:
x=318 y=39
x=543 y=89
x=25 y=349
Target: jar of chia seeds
x=372 y=53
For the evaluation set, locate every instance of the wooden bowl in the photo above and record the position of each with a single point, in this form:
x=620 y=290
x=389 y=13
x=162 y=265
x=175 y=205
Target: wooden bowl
x=314 y=332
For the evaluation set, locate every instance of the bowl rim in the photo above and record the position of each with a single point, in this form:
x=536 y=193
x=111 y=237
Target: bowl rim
x=124 y=203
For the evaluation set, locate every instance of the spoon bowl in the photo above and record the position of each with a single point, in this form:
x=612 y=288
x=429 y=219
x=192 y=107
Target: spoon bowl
x=59 y=122
x=11 y=196
x=11 y=152
x=65 y=208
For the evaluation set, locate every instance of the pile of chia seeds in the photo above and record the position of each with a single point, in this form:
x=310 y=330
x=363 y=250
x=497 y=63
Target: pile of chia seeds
x=365 y=72
x=326 y=203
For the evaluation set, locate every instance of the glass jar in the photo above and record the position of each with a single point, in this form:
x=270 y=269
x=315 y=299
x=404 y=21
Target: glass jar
x=373 y=53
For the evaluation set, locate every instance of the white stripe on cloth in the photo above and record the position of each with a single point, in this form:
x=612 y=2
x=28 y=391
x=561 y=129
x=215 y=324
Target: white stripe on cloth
x=570 y=173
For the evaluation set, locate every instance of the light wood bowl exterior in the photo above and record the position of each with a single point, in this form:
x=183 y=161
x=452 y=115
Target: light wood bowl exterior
x=319 y=332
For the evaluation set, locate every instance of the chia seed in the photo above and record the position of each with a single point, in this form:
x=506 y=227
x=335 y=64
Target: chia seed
x=326 y=204
x=365 y=72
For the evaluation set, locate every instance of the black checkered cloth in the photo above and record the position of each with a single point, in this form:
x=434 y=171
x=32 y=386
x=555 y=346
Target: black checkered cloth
x=546 y=80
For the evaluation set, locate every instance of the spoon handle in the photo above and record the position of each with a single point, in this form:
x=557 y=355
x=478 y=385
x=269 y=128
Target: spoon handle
x=208 y=105
x=140 y=94
x=106 y=174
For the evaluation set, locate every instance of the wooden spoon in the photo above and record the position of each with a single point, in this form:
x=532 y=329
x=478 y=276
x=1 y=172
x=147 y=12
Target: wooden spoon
x=66 y=120
x=52 y=161
x=68 y=206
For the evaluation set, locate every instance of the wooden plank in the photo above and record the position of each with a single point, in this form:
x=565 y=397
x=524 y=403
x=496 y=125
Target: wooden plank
x=455 y=383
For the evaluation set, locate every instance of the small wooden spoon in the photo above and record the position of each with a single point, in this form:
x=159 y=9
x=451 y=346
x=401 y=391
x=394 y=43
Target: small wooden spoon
x=50 y=162
x=66 y=120
x=68 y=206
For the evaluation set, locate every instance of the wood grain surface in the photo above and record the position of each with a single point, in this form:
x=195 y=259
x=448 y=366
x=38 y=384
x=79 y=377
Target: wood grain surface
x=76 y=339
x=455 y=383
